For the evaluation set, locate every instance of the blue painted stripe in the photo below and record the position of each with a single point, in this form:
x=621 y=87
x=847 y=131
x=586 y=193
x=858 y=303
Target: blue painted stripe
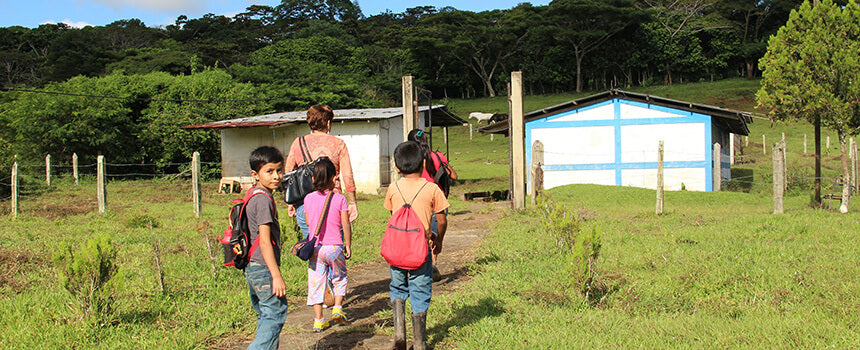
x=619 y=167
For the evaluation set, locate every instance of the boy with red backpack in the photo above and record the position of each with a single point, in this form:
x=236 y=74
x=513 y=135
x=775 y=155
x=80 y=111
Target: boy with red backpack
x=265 y=284
x=412 y=196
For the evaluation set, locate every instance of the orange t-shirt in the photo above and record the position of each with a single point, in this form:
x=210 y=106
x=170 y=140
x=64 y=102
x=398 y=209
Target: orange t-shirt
x=429 y=200
x=324 y=145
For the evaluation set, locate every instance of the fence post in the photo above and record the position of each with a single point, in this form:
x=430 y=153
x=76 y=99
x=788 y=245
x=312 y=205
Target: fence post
x=14 y=190
x=828 y=143
x=75 y=167
x=409 y=100
x=778 y=177
x=195 y=184
x=718 y=167
x=517 y=142
x=746 y=141
x=100 y=184
x=660 y=178
x=470 y=131
x=48 y=170
x=804 y=143
x=854 y=164
x=763 y=144
x=536 y=172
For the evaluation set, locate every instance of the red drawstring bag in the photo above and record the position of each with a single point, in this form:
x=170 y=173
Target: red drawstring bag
x=404 y=244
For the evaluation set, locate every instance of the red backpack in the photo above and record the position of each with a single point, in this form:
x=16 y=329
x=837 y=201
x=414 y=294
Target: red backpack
x=404 y=244
x=236 y=242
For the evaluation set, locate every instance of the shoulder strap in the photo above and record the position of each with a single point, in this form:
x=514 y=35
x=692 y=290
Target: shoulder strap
x=413 y=197
x=324 y=213
x=306 y=153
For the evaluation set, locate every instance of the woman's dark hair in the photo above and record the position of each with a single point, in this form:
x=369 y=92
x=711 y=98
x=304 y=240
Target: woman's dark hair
x=324 y=172
x=264 y=155
x=407 y=157
x=420 y=136
x=319 y=116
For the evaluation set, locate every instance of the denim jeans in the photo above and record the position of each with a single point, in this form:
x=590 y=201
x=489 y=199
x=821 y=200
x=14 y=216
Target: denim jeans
x=416 y=285
x=271 y=310
x=300 y=220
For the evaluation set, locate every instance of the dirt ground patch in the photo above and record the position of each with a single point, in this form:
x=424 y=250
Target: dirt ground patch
x=62 y=208
x=13 y=263
x=367 y=303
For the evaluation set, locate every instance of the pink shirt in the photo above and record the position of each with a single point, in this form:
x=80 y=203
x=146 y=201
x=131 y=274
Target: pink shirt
x=435 y=156
x=330 y=232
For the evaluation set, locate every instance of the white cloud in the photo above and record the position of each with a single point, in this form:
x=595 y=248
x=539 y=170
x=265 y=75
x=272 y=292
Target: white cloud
x=69 y=23
x=156 y=5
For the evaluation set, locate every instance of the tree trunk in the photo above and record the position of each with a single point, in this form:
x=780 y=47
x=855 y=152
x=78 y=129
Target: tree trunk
x=750 y=68
x=846 y=175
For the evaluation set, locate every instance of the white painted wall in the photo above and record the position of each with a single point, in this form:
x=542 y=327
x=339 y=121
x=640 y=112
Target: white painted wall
x=681 y=142
x=577 y=145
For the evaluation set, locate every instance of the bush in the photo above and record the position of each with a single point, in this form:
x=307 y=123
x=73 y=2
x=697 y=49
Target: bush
x=91 y=275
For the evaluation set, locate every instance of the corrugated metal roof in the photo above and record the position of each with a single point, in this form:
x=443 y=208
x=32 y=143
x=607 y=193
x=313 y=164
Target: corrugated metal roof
x=278 y=119
x=734 y=121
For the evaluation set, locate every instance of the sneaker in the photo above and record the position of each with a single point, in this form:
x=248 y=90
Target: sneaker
x=320 y=326
x=338 y=316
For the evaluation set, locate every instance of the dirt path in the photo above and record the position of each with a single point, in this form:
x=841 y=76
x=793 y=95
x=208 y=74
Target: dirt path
x=367 y=293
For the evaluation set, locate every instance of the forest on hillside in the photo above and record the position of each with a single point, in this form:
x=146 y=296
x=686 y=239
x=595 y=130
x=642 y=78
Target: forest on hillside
x=122 y=90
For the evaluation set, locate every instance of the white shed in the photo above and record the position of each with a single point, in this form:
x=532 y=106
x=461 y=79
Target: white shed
x=612 y=138
x=370 y=136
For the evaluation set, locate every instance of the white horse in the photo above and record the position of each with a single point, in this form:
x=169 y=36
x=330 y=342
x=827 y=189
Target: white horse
x=481 y=116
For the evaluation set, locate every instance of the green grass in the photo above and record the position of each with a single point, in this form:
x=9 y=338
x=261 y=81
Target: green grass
x=716 y=270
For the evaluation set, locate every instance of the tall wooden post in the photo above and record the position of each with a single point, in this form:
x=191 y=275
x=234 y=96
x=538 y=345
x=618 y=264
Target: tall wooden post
x=518 y=159
x=537 y=179
x=660 y=178
x=75 y=167
x=763 y=144
x=778 y=177
x=718 y=168
x=828 y=143
x=195 y=184
x=804 y=143
x=14 y=190
x=409 y=114
x=48 y=170
x=470 y=131
x=855 y=164
x=100 y=184
x=732 y=149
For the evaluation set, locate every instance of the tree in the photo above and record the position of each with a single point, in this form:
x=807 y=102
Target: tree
x=587 y=24
x=810 y=72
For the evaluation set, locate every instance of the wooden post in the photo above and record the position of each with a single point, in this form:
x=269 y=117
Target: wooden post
x=535 y=172
x=763 y=144
x=828 y=143
x=778 y=177
x=470 y=131
x=660 y=178
x=409 y=114
x=14 y=190
x=518 y=159
x=48 y=170
x=804 y=143
x=855 y=164
x=195 y=184
x=732 y=149
x=492 y=137
x=100 y=184
x=75 y=167
x=746 y=141
x=718 y=168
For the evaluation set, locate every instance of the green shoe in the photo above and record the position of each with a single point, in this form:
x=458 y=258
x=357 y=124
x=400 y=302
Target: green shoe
x=320 y=326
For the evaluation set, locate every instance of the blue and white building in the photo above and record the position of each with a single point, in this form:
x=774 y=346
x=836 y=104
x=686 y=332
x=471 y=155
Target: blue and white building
x=612 y=139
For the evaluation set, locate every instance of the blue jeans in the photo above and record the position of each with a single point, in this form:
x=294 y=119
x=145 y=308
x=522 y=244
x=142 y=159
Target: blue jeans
x=300 y=220
x=271 y=310
x=416 y=285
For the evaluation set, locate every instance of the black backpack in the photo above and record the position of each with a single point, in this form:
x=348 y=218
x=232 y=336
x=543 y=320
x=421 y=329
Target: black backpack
x=236 y=242
x=441 y=176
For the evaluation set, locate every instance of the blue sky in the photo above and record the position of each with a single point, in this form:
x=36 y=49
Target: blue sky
x=78 y=13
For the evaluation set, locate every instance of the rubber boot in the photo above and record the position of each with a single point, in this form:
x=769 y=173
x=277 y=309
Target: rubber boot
x=399 y=324
x=419 y=331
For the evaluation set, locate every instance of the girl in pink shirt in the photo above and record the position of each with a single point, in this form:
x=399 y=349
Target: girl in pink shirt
x=334 y=244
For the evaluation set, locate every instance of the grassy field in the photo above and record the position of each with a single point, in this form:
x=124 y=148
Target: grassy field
x=716 y=270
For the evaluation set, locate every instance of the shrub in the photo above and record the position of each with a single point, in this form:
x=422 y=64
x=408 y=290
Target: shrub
x=91 y=275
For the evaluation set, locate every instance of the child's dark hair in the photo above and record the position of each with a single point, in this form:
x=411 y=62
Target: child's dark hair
x=408 y=157
x=264 y=155
x=324 y=172
x=420 y=136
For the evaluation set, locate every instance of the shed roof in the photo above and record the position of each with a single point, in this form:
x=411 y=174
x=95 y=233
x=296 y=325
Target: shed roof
x=440 y=117
x=733 y=121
